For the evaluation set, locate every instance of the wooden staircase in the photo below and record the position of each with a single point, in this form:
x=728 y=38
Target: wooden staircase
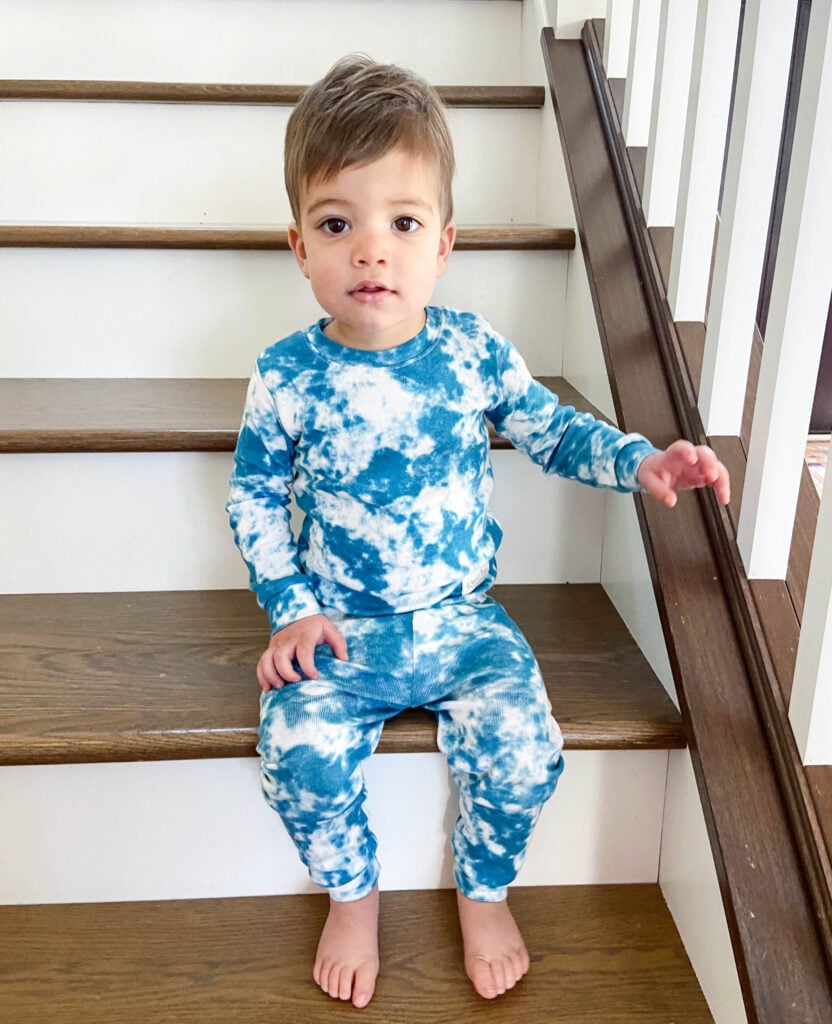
x=599 y=953
x=96 y=678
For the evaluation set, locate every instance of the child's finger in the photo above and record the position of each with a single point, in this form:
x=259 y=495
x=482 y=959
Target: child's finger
x=658 y=489
x=305 y=655
x=267 y=675
x=722 y=485
x=685 y=451
x=333 y=636
x=282 y=658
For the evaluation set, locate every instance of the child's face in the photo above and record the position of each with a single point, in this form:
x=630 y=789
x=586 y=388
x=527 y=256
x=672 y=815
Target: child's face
x=372 y=244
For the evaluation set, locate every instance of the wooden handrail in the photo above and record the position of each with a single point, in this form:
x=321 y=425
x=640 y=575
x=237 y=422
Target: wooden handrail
x=740 y=751
x=761 y=671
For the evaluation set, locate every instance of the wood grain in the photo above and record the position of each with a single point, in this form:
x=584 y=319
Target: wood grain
x=147 y=414
x=731 y=731
x=512 y=96
x=170 y=675
x=606 y=954
x=201 y=236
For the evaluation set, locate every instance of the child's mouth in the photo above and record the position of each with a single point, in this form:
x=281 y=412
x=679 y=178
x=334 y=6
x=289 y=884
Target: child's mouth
x=369 y=292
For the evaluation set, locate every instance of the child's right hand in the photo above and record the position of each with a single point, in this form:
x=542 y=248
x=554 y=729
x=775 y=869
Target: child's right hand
x=297 y=642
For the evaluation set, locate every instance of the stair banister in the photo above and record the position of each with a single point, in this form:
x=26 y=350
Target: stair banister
x=796 y=322
x=794 y=336
x=707 y=118
x=667 y=118
x=763 y=764
x=751 y=166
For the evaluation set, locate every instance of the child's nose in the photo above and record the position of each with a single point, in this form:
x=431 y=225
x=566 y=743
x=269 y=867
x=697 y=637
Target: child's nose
x=370 y=247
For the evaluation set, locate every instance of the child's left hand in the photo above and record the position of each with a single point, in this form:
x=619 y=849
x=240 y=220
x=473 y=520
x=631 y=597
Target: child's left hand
x=683 y=467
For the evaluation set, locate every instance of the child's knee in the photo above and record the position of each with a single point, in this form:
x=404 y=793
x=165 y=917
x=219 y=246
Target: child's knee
x=523 y=778
x=303 y=781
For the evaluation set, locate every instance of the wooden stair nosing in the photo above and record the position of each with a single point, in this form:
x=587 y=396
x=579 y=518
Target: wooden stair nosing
x=470 y=238
x=146 y=414
x=599 y=953
x=491 y=96
x=170 y=675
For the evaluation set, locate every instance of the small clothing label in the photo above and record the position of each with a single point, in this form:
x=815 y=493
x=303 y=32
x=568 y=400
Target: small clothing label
x=473 y=579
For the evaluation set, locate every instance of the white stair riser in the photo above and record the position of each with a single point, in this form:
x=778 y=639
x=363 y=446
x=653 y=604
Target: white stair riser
x=159 y=163
x=260 y=41
x=128 y=522
x=142 y=313
x=175 y=830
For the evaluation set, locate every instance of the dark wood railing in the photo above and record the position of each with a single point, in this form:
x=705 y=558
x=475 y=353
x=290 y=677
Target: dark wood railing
x=772 y=869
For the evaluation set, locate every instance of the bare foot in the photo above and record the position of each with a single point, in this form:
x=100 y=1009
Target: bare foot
x=346 y=964
x=495 y=954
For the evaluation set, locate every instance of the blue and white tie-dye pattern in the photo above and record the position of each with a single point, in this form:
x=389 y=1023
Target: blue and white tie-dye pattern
x=387 y=454
x=466 y=661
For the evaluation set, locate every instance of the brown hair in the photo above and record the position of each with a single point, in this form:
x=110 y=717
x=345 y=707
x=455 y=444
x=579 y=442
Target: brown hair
x=357 y=113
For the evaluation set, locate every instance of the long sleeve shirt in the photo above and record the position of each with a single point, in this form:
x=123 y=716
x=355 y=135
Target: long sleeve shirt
x=387 y=454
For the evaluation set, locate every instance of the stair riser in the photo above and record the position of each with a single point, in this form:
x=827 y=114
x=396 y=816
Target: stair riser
x=260 y=40
x=172 y=830
x=116 y=522
x=139 y=313
x=221 y=165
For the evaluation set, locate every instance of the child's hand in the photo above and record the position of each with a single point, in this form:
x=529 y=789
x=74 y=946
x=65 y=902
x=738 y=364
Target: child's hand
x=297 y=642
x=681 y=467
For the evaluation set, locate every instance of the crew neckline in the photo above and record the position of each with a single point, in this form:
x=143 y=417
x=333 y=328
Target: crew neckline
x=399 y=355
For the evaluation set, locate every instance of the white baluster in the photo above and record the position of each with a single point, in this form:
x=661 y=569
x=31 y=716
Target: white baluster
x=759 y=102
x=677 y=29
x=796 y=321
x=705 y=129
x=641 y=71
x=810 y=710
x=617 y=37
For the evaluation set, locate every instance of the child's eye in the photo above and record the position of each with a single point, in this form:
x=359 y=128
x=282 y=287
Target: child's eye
x=335 y=226
x=406 y=224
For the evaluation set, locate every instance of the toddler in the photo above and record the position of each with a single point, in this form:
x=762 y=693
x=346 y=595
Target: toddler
x=375 y=419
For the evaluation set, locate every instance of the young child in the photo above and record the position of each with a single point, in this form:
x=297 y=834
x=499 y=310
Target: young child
x=375 y=418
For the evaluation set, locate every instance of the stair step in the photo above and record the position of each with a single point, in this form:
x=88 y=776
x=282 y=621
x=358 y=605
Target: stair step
x=196 y=236
x=606 y=953
x=146 y=415
x=513 y=96
x=170 y=675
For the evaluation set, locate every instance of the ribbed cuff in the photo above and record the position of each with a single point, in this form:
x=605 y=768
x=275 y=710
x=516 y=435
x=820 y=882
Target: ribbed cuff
x=359 y=887
x=628 y=461
x=295 y=602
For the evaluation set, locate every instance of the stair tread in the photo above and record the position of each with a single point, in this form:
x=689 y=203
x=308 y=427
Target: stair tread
x=599 y=953
x=149 y=414
x=516 y=96
x=250 y=236
x=170 y=675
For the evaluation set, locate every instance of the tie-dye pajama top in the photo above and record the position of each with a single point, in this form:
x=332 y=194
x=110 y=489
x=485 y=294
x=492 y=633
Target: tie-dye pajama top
x=387 y=454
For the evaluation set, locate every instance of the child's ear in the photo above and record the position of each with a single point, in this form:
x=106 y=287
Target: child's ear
x=296 y=244
x=446 y=244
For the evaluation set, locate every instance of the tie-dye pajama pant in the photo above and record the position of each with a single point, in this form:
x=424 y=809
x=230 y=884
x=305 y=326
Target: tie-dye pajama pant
x=466 y=661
